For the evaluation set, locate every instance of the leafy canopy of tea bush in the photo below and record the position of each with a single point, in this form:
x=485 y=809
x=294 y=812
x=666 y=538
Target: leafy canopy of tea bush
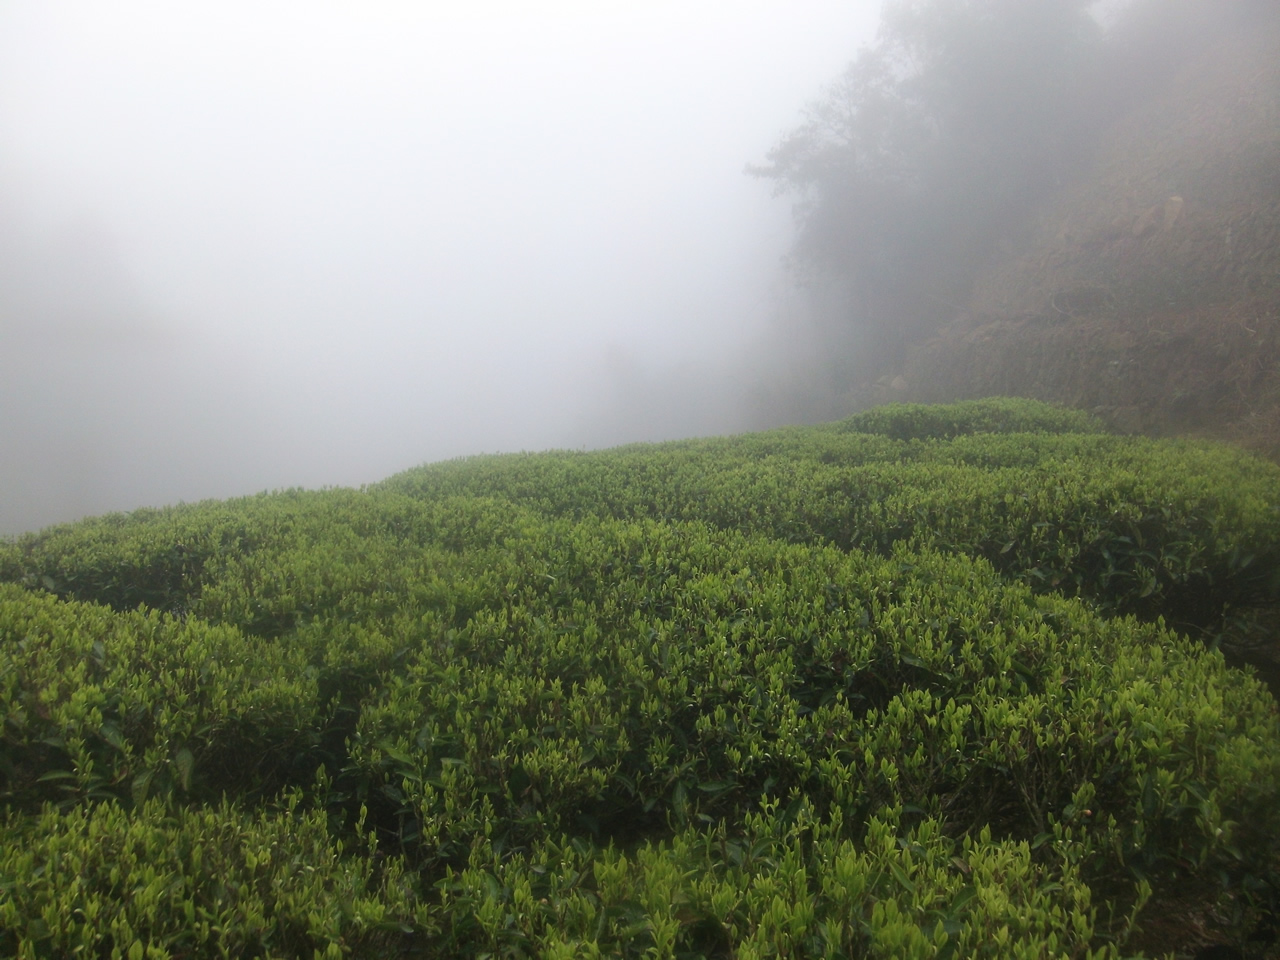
x=919 y=421
x=815 y=692
x=1187 y=531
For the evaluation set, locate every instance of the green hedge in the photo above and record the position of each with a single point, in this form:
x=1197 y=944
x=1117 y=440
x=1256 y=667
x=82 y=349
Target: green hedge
x=615 y=686
x=783 y=694
x=99 y=704
x=635 y=676
x=1187 y=531
x=919 y=421
x=1177 y=529
x=154 y=883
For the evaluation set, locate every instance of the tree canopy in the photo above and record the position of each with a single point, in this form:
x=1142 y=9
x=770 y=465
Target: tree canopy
x=905 y=167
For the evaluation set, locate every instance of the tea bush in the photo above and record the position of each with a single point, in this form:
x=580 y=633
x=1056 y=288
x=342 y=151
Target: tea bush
x=919 y=421
x=814 y=692
x=98 y=880
x=1177 y=529
x=99 y=704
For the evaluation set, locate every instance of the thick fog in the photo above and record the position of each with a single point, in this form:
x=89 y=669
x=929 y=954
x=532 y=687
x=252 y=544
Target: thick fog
x=252 y=245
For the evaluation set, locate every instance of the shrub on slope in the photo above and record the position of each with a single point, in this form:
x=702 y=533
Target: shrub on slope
x=634 y=736
x=919 y=421
x=1184 y=530
x=100 y=704
x=158 y=882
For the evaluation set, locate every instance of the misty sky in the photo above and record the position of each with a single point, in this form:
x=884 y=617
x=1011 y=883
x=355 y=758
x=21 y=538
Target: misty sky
x=252 y=245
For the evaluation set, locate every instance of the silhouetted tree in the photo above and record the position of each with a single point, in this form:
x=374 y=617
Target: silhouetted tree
x=907 y=166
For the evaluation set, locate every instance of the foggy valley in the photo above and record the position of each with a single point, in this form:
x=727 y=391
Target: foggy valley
x=269 y=245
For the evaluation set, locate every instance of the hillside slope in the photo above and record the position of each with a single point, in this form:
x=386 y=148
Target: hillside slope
x=900 y=686
x=1147 y=289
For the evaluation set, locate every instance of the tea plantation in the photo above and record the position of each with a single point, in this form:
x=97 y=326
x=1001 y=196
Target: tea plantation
x=929 y=682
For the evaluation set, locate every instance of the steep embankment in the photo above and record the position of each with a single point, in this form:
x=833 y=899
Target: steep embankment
x=1147 y=290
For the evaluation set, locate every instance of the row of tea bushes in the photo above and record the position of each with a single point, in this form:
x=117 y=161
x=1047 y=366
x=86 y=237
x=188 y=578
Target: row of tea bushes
x=160 y=882
x=779 y=694
x=521 y=706
x=927 y=421
x=639 y=675
x=166 y=558
x=1184 y=530
x=787 y=884
x=138 y=700
x=157 y=883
